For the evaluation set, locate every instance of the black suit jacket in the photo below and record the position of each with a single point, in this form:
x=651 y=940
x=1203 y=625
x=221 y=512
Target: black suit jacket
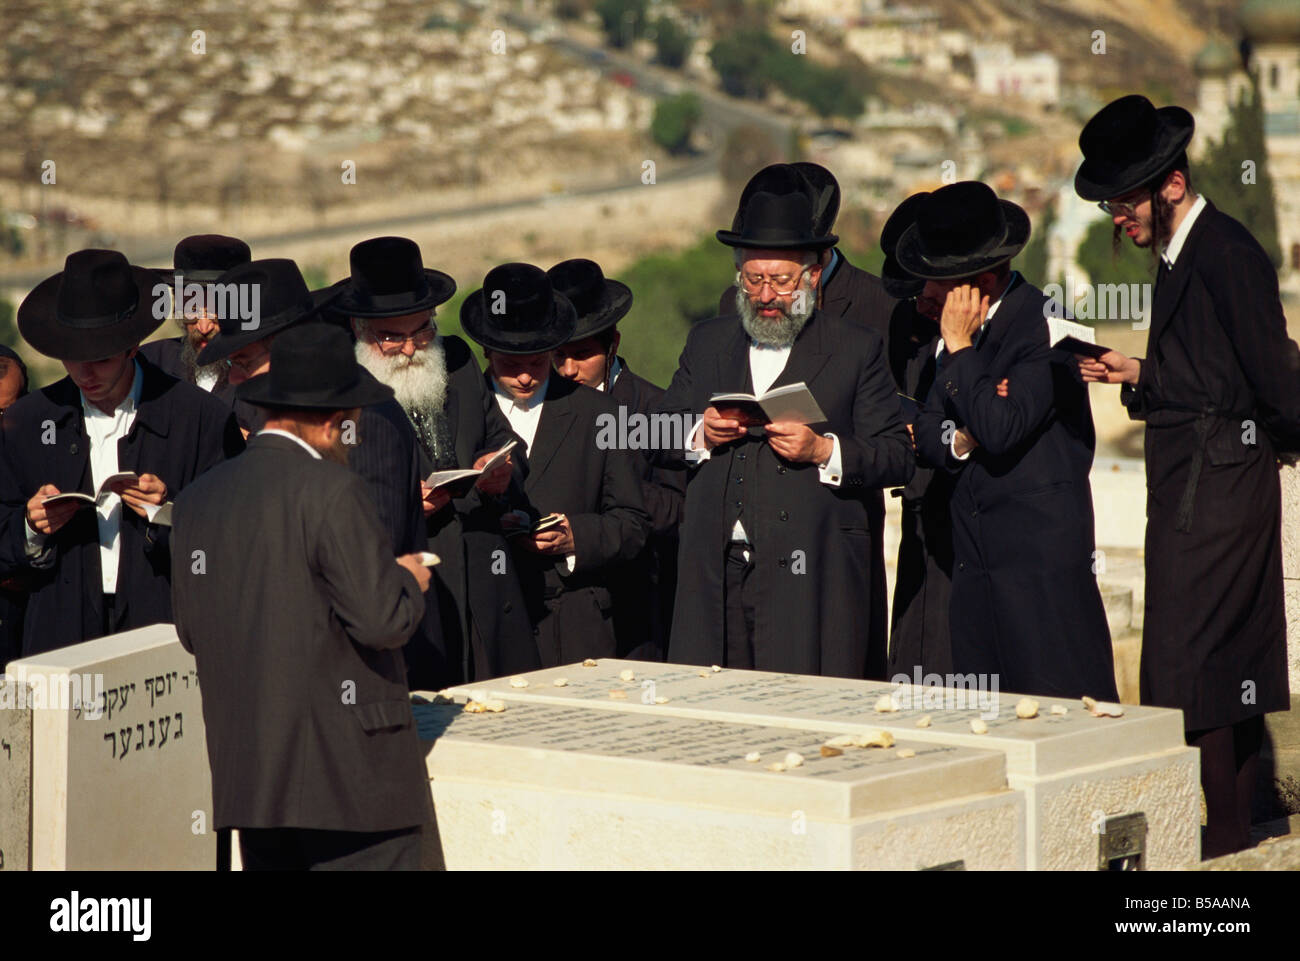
x=812 y=542
x=1025 y=603
x=179 y=432
x=296 y=620
x=599 y=490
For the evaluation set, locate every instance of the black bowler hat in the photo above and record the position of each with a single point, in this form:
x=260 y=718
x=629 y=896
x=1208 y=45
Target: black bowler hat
x=205 y=257
x=389 y=279
x=518 y=312
x=961 y=230
x=599 y=302
x=314 y=366
x=283 y=300
x=898 y=282
x=781 y=220
x=1128 y=143
x=819 y=183
x=97 y=306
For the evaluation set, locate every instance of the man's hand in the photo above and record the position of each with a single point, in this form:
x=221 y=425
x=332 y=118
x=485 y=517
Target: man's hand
x=47 y=520
x=147 y=489
x=495 y=481
x=553 y=540
x=1003 y=386
x=719 y=430
x=963 y=314
x=421 y=573
x=1111 y=367
x=963 y=443
x=433 y=500
x=799 y=443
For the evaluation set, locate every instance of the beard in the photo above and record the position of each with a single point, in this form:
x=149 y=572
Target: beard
x=419 y=382
x=190 y=363
x=777 y=331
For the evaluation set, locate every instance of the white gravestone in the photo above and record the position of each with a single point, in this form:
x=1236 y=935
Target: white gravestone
x=1079 y=773
x=119 y=767
x=543 y=786
x=15 y=778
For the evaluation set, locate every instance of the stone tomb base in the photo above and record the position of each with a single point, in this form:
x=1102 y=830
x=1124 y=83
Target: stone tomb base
x=544 y=786
x=1089 y=783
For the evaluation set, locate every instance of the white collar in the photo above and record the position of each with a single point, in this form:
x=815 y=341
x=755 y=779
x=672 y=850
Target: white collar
x=1175 y=245
x=293 y=437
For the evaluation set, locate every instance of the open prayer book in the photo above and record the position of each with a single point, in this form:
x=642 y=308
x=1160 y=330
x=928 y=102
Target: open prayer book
x=458 y=482
x=1076 y=338
x=793 y=404
x=90 y=500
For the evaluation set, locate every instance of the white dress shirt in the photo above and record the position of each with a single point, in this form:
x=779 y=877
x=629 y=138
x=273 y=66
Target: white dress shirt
x=1175 y=245
x=293 y=437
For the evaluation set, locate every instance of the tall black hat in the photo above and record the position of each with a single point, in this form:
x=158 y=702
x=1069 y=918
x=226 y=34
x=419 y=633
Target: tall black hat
x=961 y=230
x=518 y=312
x=313 y=366
x=898 y=282
x=1127 y=144
x=201 y=258
x=600 y=303
x=389 y=279
x=282 y=300
x=819 y=183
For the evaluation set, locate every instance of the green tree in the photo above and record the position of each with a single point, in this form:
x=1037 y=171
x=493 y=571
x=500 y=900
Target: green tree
x=672 y=42
x=1106 y=263
x=742 y=60
x=673 y=121
x=622 y=20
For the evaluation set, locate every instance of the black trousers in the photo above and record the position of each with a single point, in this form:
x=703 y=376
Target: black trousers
x=1229 y=764
x=305 y=849
x=739 y=603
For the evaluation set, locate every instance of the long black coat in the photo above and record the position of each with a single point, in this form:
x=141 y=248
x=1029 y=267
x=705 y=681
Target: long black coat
x=179 y=432
x=599 y=490
x=644 y=590
x=1214 y=638
x=296 y=622
x=812 y=542
x=485 y=631
x=923 y=582
x=1025 y=602
x=859 y=297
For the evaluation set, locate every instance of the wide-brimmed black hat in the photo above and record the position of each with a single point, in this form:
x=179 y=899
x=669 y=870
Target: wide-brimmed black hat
x=202 y=258
x=781 y=219
x=1127 y=144
x=898 y=282
x=599 y=302
x=389 y=279
x=314 y=367
x=961 y=230
x=282 y=299
x=97 y=306
x=517 y=311
x=819 y=183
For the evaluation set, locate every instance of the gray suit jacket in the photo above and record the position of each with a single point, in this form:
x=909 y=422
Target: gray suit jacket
x=296 y=614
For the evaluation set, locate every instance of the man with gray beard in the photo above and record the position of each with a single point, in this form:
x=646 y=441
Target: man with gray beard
x=775 y=546
x=484 y=631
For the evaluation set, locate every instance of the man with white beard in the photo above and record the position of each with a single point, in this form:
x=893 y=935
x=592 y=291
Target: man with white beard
x=390 y=299
x=778 y=518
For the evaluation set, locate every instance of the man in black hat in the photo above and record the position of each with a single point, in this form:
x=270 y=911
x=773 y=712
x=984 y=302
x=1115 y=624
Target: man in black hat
x=593 y=490
x=855 y=295
x=480 y=627
x=198 y=262
x=296 y=616
x=1025 y=604
x=1219 y=390
x=105 y=569
x=643 y=594
x=777 y=541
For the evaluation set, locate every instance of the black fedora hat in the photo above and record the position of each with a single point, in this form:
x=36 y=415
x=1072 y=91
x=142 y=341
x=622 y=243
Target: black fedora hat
x=314 y=367
x=202 y=258
x=600 y=303
x=898 y=282
x=1128 y=143
x=97 y=306
x=389 y=279
x=816 y=181
x=961 y=230
x=779 y=220
x=517 y=311
x=282 y=300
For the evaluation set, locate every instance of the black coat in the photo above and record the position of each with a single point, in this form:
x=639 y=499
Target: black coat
x=166 y=356
x=923 y=580
x=485 y=630
x=859 y=297
x=599 y=490
x=1025 y=602
x=643 y=594
x=812 y=542
x=1214 y=637
x=296 y=623
x=179 y=432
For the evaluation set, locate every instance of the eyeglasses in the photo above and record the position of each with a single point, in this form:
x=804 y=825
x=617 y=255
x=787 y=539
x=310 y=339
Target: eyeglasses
x=390 y=341
x=1119 y=208
x=781 y=284
x=249 y=364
